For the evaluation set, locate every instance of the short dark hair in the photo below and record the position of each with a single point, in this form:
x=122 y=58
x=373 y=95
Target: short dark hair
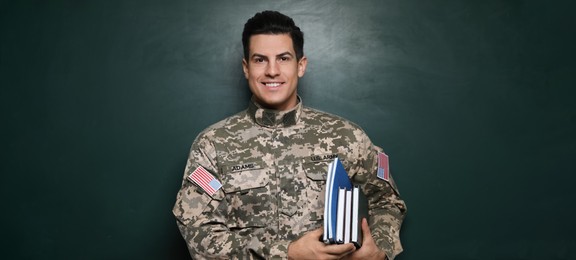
x=272 y=22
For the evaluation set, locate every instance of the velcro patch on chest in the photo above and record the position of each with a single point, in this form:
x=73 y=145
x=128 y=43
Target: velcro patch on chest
x=321 y=158
x=244 y=167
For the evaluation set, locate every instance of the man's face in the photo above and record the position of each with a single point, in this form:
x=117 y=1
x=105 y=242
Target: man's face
x=272 y=70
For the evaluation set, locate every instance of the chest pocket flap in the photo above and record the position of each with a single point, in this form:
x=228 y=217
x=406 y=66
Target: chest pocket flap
x=247 y=195
x=244 y=177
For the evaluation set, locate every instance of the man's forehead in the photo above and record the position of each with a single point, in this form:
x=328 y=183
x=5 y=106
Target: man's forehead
x=271 y=44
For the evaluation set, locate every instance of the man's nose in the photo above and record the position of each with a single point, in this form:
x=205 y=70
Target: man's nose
x=272 y=69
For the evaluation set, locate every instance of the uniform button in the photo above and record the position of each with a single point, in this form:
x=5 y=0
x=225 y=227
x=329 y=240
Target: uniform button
x=360 y=178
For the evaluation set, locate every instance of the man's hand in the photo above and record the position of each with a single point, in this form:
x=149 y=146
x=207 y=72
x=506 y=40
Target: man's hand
x=309 y=246
x=369 y=250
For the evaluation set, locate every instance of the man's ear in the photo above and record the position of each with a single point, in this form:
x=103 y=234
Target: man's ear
x=245 y=68
x=302 y=66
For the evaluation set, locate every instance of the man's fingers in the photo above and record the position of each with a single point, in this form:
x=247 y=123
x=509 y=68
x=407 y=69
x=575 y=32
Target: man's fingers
x=366 y=233
x=340 y=249
x=317 y=233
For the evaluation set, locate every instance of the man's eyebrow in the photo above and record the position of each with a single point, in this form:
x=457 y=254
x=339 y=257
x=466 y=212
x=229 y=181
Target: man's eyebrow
x=256 y=55
x=284 y=54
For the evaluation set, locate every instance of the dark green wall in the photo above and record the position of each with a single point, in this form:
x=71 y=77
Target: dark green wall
x=473 y=100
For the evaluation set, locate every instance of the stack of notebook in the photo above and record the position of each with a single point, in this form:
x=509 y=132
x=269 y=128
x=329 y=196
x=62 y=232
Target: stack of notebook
x=344 y=209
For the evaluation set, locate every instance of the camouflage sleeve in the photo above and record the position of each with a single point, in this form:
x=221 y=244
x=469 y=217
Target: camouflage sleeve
x=386 y=209
x=202 y=218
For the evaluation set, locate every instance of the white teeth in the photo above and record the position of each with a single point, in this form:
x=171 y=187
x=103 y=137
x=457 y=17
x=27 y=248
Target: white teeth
x=273 y=85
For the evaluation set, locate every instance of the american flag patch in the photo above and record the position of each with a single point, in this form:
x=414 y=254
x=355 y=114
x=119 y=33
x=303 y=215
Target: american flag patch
x=383 y=168
x=205 y=180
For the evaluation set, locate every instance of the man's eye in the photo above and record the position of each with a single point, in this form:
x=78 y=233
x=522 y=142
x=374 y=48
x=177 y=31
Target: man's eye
x=258 y=60
x=284 y=58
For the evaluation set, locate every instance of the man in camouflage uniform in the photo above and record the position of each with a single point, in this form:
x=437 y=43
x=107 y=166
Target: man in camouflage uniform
x=271 y=162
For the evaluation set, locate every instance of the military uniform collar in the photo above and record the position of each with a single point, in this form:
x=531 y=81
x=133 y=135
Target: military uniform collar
x=274 y=118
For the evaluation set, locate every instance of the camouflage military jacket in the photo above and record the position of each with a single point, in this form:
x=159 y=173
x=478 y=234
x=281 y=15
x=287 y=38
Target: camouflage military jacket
x=272 y=166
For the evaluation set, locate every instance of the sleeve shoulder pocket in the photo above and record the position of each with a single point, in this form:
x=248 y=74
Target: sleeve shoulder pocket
x=190 y=203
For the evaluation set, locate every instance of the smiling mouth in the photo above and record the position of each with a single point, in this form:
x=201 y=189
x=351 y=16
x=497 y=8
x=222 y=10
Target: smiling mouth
x=272 y=84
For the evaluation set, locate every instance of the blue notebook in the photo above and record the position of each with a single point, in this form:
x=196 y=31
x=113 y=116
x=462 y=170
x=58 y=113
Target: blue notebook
x=335 y=179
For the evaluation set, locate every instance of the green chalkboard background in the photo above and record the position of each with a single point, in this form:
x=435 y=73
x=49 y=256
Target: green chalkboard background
x=474 y=101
